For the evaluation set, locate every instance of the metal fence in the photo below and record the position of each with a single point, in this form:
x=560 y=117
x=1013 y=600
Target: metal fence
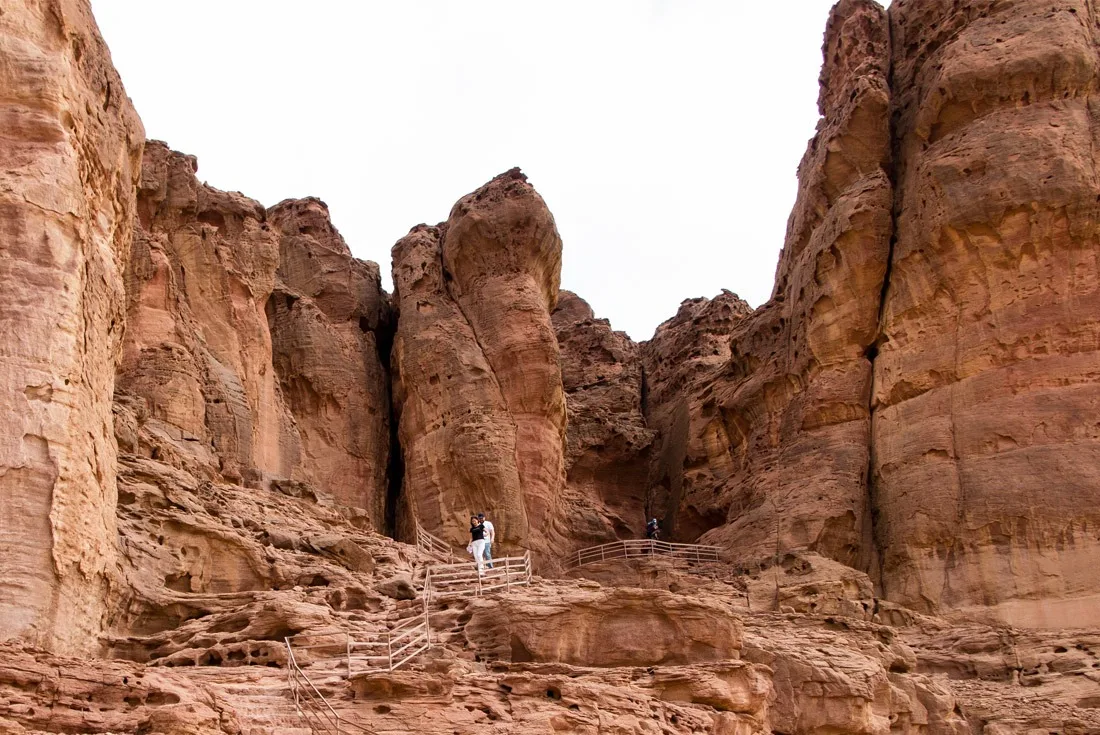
x=313 y=709
x=642 y=548
x=445 y=580
x=384 y=652
x=433 y=546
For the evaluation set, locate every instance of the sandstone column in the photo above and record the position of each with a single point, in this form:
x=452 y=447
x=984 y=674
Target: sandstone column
x=475 y=365
x=503 y=250
x=69 y=160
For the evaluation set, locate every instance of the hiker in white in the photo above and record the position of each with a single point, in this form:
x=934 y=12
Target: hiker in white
x=490 y=537
x=477 y=543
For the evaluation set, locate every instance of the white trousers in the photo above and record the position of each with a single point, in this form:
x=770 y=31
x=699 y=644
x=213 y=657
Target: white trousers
x=479 y=554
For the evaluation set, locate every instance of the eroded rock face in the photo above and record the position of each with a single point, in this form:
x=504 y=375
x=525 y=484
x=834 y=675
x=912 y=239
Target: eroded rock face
x=256 y=341
x=926 y=422
x=680 y=363
x=607 y=441
x=789 y=413
x=616 y=627
x=475 y=362
x=69 y=162
x=198 y=348
x=331 y=332
x=985 y=448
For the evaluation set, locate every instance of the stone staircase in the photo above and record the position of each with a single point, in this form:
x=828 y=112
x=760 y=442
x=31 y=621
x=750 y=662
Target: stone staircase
x=387 y=644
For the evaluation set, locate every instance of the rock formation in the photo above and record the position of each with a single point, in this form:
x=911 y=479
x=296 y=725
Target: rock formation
x=254 y=351
x=607 y=441
x=475 y=362
x=213 y=410
x=331 y=336
x=985 y=383
x=69 y=160
x=910 y=400
x=679 y=363
x=766 y=425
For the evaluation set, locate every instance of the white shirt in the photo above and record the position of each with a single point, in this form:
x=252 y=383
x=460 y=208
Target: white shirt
x=490 y=532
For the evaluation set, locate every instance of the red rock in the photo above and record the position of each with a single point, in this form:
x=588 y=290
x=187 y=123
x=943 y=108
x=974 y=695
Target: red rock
x=475 y=362
x=607 y=441
x=70 y=152
x=985 y=385
x=256 y=341
x=331 y=329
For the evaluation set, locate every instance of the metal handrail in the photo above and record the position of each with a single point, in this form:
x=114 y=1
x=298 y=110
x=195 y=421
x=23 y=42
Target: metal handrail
x=313 y=708
x=433 y=546
x=442 y=580
x=637 y=548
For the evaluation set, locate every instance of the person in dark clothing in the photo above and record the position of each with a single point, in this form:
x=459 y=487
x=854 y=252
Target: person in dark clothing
x=477 y=543
x=653 y=529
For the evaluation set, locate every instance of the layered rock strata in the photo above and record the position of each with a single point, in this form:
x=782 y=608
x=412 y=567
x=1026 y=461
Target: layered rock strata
x=913 y=400
x=985 y=449
x=475 y=366
x=607 y=443
x=331 y=331
x=769 y=448
x=70 y=156
x=253 y=353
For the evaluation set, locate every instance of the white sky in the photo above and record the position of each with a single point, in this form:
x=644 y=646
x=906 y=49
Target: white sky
x=663 y=134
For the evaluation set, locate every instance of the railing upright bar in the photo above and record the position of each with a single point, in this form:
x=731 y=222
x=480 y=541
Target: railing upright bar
x=427 y=623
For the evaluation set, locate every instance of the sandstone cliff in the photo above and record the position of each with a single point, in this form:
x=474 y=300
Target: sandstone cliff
x=772 y=425
x=913 y=399
x=70 y=155
x=254 y=348
x=608 y=443
x=985 y=446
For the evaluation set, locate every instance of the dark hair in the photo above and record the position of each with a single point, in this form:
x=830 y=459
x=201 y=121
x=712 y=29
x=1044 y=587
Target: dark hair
x=480 y=515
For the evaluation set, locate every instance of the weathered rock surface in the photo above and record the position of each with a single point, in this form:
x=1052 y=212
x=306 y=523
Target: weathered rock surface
x=607 y=444
x=256 y=340
x=985 y=447
x=618 y=627
x=868 y=446
x=766 y=439
x=927 y=421
x=475 y=362
x=331 y=333
x=680 y=364
x=70 y=148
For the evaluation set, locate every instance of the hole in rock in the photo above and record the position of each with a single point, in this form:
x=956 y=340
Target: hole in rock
x=553 y=693
x=210 y=658
x=383 y=709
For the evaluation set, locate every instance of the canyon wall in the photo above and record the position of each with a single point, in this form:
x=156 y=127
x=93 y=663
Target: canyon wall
x=607 y=443
x=70 y=151
x=253 y=348
x=985 y=438
x=765 y=417
x=914 y=399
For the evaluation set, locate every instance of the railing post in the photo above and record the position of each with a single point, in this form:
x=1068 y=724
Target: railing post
x=389 y=651
x=507 y=575
x=427 y=623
